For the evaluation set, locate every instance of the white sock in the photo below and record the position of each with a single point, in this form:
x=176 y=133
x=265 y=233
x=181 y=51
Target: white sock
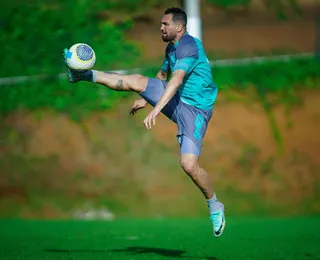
x=213 y=204
x=94 y=75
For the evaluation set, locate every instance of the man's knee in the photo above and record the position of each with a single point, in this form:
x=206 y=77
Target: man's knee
x=138 y=82
x=189 y=164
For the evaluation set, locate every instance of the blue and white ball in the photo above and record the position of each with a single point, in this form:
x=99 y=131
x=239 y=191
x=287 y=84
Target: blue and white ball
x=80 y=57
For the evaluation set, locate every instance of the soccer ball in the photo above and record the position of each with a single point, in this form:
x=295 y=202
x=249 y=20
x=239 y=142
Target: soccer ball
x=80 y=57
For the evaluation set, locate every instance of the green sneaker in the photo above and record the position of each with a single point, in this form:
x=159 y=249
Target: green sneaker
x=218 y=221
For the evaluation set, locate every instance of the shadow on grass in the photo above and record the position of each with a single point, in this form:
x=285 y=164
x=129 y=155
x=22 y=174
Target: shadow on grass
x=137 y=251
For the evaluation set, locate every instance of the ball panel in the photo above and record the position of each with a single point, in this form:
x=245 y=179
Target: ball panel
x=84 y=52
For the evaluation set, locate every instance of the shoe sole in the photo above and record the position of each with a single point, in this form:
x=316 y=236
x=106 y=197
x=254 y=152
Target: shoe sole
x=69 y=74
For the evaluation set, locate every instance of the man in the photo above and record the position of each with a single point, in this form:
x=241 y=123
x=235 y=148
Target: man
x=187 y=99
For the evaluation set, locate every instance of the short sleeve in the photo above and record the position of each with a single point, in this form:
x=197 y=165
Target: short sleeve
x=186 y=54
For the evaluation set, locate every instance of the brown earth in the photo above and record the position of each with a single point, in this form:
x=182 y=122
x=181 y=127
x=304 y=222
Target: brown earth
x=112 y=156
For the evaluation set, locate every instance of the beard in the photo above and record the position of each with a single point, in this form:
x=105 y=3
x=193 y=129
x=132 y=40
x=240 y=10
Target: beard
x=166 y=38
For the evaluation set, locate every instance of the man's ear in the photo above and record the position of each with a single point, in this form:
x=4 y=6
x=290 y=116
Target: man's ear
x=179 y=27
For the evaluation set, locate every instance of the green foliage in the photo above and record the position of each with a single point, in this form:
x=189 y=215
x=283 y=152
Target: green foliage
x=268 y=77
x=34 y=34
x=281 y=8
x=34 y=43
x=76 y=100
x=228 y=3
x=128 y=5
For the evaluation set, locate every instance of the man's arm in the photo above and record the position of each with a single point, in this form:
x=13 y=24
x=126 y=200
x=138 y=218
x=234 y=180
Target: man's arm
x=171 y=89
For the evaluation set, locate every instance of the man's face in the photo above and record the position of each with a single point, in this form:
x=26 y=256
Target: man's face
x=169 y=29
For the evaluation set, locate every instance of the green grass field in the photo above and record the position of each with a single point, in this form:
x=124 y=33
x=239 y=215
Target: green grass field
x=244 y=238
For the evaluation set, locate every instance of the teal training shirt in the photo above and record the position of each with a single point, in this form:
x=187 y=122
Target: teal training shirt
x=198 y=88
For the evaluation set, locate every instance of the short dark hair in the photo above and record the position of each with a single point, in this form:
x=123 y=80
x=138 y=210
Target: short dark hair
x=178 y=15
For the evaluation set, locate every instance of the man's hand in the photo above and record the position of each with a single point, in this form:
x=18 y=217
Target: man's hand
x=162 y=75
x=137 y=105
x=151 y=118
x=168 y=93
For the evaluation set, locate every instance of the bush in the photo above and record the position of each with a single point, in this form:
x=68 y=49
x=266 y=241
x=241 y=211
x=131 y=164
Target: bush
x=34 y=34
x=228 y=3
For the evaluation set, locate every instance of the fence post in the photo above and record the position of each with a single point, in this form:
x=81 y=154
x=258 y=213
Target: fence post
x=192 y=8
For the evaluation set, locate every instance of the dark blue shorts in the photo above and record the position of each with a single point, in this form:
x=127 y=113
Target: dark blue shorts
x=192 y=122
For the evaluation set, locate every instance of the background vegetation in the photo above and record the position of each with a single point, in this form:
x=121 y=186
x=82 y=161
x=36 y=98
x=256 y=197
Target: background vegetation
x=39 y=51
x=33 y=45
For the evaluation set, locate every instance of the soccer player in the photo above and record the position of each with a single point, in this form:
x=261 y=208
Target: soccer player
x=187 y=99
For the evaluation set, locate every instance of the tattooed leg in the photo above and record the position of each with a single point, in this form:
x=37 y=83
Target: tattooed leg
x=121 y=82
x=119 y=85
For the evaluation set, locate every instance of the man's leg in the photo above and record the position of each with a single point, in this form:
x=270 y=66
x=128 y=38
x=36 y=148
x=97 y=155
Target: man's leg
x=134 y=82
x=190 y=164
x=148 y=88
x=192 y=124
x=114 y=81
